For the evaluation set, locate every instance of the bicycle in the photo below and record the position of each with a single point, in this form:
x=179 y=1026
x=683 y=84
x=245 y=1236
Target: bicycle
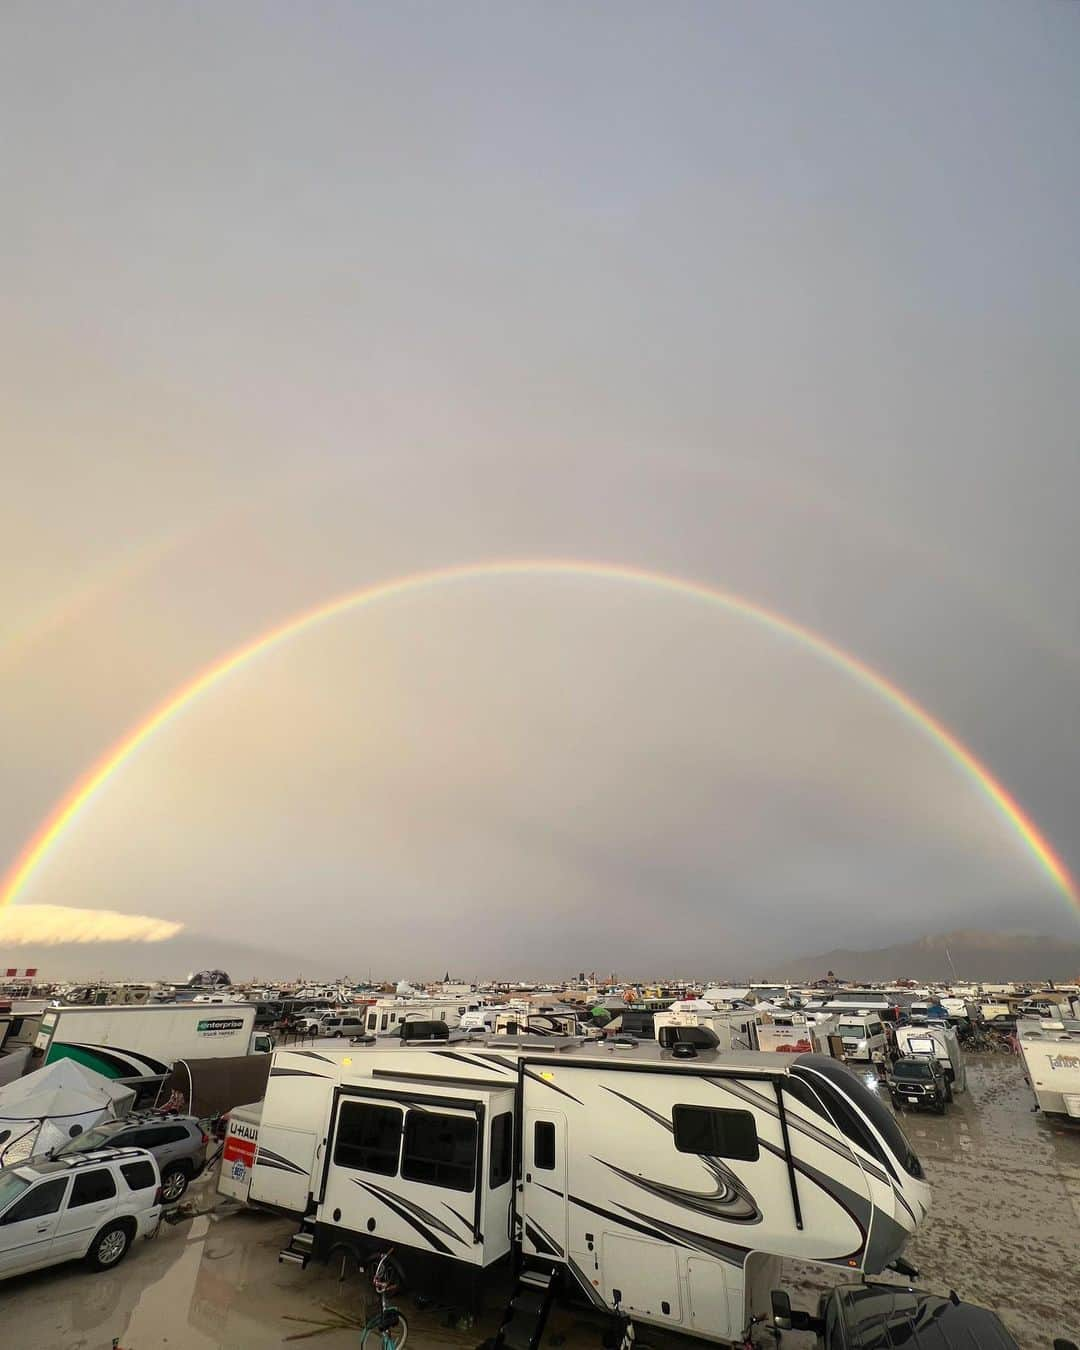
x=388 y=1323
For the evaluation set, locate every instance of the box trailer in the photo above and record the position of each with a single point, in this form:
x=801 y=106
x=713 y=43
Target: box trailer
x=139 y=1043
x=667 y=1185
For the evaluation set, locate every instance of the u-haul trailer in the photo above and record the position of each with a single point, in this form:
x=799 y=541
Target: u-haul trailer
x=664 y=1184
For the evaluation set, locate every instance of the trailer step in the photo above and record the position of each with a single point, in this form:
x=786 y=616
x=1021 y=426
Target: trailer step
x=526 y=1315
x=298 y=1252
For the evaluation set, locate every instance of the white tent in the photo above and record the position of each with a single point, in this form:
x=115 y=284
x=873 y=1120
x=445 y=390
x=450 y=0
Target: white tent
x=692 y=1005
x=54 y=1104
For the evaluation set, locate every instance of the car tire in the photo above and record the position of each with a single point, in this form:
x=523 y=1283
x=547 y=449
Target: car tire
x=110 y=1246
x=174 y=1182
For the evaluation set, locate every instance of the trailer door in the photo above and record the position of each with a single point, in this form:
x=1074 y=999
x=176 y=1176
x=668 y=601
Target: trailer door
x=544 y=1200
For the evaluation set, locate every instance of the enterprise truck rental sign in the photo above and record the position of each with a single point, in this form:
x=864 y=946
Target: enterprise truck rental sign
x=219 y=1026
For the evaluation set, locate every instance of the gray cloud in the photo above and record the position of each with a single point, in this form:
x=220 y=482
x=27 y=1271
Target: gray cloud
x=781 y=300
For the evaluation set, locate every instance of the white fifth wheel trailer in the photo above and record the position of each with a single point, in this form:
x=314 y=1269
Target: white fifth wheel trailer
x=666 y=1185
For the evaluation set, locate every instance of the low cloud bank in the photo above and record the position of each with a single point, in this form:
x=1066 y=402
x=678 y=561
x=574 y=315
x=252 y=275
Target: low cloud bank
x=52 y=925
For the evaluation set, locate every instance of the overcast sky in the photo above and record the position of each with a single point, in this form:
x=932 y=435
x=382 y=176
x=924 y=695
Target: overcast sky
x=783 y=298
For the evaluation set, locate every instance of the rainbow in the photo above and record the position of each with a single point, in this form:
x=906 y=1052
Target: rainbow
x=64 y=812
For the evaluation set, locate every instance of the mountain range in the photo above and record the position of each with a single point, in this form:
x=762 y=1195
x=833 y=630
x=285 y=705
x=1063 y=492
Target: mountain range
x=967 y=954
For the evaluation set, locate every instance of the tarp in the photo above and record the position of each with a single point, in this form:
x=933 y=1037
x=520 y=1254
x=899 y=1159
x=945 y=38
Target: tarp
x=53 y=1104
x=208 y=1087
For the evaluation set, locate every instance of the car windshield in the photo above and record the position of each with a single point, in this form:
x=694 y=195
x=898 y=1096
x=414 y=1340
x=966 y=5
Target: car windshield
x=11 y=1186
x=911 y=1068
x=99 y=1137
x=855 y=1029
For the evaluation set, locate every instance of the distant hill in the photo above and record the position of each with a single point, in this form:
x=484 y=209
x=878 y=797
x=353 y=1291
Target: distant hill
x=173 y=959
x=975 y=955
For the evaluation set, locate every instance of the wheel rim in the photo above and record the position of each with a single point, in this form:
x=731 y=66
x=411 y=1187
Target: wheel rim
x=173 y=1187
x=111 y=1247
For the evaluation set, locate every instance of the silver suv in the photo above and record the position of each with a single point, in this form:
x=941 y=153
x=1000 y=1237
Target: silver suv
x=177 y=1142
x=89 y=1206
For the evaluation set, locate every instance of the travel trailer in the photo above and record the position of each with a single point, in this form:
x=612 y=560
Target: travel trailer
x=482 y=1020
x=522 y=1022
x=1051 y=1055
x=667 y=1185
x=385 y=1015
x=139 y=1043
x=735 y=1028
x=794 y=1033
x=939 y=1041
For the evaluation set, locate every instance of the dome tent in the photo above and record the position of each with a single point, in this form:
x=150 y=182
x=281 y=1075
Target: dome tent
x=54 y=1104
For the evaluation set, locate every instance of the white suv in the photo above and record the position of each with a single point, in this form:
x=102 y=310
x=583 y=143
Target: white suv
x=88 y=1206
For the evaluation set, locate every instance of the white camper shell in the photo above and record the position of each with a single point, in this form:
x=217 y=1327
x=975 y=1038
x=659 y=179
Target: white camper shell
x=667 y=1185
x=940 y=1041
x=1051 y=1054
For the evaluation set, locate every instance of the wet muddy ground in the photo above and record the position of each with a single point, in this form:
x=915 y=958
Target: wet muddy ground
x=1004 y=1231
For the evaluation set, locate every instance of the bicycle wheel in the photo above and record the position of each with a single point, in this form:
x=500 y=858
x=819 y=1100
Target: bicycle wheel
x=389 y=1338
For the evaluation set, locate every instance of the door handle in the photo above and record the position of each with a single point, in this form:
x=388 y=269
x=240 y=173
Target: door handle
x=45 y=1229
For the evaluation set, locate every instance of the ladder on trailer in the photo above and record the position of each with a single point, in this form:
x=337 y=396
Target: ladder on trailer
x=526 y=1315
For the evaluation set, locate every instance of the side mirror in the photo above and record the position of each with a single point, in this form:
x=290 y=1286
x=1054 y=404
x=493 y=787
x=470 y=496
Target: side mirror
x=781 y=1309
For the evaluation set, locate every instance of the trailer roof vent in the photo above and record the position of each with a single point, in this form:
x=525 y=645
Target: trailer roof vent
x=684 y=1050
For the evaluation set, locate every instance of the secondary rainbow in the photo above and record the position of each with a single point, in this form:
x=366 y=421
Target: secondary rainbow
x=46 y=836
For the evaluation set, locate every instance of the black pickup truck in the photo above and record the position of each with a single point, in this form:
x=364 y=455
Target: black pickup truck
x=877 y=1316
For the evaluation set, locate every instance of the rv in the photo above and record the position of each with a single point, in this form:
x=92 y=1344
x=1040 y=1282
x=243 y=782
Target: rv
x=523 y=1022
x=1051 y=1054
x=482 y=1020
x=795 y=1033
x=663 y=1185
x=862 y=1033
x=139 y=1043
x=939 y=1041
x=385 y=1015
x=735 y=1029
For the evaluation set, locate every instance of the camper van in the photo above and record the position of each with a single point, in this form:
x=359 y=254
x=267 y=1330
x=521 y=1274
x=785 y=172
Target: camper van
x=665 y=1185
x=1051 y=1055
x=862 y=1033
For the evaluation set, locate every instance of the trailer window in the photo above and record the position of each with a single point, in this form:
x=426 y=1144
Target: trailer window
x=368 y=1138
x=715 y=1132
x=502 y=1149
x=440 y=1150
x=544 y=1145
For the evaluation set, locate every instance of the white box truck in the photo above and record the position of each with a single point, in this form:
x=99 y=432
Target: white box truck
x=139 y=1043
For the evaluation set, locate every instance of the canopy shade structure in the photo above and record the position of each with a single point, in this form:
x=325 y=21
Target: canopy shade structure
x=54 y=1104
